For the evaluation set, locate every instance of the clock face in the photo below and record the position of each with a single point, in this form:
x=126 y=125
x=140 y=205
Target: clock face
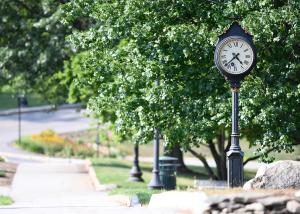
x=235 y=55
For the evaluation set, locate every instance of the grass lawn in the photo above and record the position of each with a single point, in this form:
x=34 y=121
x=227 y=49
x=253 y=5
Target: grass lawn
x=117 y=171
x=9 y=100
x=4 y=200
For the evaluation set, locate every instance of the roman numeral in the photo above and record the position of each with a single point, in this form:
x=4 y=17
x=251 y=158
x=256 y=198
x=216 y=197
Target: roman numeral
x=224 y=61
x=236 y=44
x=246 y=50
x=242 y=45
x=228 y=67
x=223 y=56
x=229 y=45
x=235 y=68
x=247 y=56
x=246 y=62
x=225 y=50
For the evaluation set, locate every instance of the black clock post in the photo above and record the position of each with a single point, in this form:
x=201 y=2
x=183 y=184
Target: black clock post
x=235 y=57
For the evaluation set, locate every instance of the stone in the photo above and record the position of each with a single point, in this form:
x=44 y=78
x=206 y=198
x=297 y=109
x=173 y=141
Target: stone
x=293 y=206
x=278 y=175
x=242 y=211
x=194 y=202
x=297 y=195
x=255 y=207
x=248 y=197
x=274 y=201
x=282 y=211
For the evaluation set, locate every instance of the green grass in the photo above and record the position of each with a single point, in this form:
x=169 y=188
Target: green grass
x=4 y=200
x=9 y=100
x=117 y=171
x=2 y=173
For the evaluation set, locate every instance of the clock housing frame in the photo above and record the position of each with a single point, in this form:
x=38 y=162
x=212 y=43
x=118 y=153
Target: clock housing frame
x=235 y=31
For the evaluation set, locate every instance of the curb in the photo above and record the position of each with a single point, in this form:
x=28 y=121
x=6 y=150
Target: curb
x=99 y=187
x=46 y=108
x=128 y=201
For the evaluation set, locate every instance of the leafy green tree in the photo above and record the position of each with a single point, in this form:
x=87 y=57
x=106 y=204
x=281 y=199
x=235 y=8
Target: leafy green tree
x=133 y=43
x=32 y=43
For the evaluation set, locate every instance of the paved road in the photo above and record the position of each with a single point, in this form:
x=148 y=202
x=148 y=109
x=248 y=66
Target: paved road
x=64 y=120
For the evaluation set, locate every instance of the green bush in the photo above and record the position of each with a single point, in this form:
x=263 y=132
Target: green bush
x=42 y=144
x=31 y=145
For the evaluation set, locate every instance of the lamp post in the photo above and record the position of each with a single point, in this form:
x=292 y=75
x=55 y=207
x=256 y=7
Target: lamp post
x=22 y=102
x=135 y=172
x=155 y=182
x=97 y=137
x=235 y=154
x=235 y=57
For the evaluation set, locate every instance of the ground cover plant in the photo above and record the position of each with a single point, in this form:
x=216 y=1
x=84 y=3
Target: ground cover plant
x=117 y=171
x=50 y=143
x=5 y=200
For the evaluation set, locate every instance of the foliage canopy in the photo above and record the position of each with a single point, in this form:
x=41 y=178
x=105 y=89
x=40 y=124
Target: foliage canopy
x=130 y=44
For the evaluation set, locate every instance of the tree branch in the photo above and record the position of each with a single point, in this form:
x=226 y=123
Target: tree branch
x=203 y=160
x=229 y=143
x=214 y=152
x=267 y=152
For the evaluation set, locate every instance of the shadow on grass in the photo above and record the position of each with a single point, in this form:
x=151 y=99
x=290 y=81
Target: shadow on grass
x=114 y=165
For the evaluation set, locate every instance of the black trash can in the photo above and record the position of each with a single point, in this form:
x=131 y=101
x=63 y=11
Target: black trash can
x=167 y=171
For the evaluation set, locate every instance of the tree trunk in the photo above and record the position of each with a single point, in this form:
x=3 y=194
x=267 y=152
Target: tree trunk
x=205 y=164
x=222 y=168
x=177 y=153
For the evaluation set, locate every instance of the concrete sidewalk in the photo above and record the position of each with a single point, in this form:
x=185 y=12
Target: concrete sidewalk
x=61 y=188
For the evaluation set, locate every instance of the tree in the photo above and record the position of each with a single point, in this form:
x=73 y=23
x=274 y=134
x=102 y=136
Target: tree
x=32 y=43
x=133 y=43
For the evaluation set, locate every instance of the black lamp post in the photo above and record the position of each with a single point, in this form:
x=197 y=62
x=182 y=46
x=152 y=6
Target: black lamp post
x=22 y=102
x=155 y=182
x=97 y=137
x=235 y=57
x=135 y=172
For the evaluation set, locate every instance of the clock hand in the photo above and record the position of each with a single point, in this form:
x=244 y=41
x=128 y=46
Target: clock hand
x=235 y=56
x=239 y=59
x=230 y=61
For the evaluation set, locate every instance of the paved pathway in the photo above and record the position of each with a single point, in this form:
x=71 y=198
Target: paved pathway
x=44 y=185
x=62 y=188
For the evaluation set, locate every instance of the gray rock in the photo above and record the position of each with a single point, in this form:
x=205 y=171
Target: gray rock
x=248 y=197
x=282 y=211
x=255 y=207
x=242 y=211
x=293 y=206
x=274 y=201
x=297 y=195
x=278 y=175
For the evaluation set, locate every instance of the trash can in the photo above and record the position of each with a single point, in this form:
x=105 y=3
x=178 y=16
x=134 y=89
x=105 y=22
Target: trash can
x=167 y=171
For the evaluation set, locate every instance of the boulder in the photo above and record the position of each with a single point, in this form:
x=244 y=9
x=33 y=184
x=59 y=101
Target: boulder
x=278 y=175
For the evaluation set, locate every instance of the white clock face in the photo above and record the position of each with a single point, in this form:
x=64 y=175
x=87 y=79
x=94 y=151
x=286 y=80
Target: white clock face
x=235 y=56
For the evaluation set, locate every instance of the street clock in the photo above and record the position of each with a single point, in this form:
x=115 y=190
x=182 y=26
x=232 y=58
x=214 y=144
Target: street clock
x=235 y=57
x=235 y=54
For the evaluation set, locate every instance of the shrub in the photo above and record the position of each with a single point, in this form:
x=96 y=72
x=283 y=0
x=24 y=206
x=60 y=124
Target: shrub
x=49 y=143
